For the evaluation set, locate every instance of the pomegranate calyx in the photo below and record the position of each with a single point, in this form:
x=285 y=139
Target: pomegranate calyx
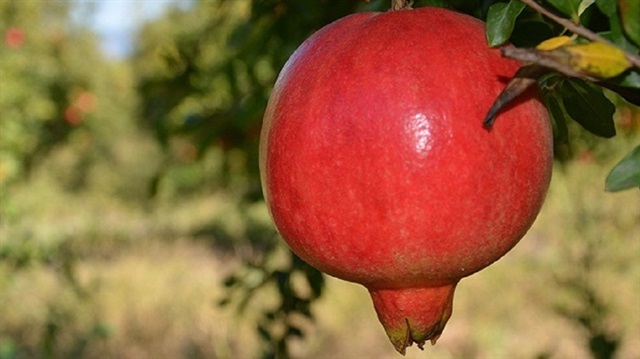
x=413 y=315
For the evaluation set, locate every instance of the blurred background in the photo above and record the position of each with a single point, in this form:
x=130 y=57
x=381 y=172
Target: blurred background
x=132 y=223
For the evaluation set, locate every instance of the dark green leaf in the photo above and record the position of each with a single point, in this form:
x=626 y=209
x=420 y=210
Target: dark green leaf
x=608 y=7
x=375 y=5
x=557 y=113
x=436 y=3
x=630 y=16
x=284 y=285
x=630 y=79
x=626 y=174
x=627 y=86
x=587 y=105
x=529 y=33
x=501 y=20
x=617 y=35
x=316 y=281
x=314 y=277
x=567 y=7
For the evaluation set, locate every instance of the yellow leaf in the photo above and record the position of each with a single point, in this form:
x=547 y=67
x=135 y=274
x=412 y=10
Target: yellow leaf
x=554 y=43
x=597 y=59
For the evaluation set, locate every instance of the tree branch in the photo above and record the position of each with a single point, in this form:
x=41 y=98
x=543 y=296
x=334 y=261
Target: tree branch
x=401 y=4
x=580 y=30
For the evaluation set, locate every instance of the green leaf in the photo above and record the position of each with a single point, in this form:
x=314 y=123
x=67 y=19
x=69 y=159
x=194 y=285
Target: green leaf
x=630 y=16
x=626 y=174
x=632 y=79
x=586 y=104
x=433 y=3
x=315 y=279
x=529 y=33
x=627 y=85
x=608 y=7
x=617 y=35
x=557 y=113
x=567 y=7
x=584 y=5
x=501 y=20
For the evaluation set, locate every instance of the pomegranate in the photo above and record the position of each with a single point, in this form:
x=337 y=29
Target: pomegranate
x=376 y=167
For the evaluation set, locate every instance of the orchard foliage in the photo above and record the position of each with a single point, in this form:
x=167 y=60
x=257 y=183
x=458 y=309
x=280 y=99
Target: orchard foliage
x=577 y=48
x=205 y=74
x=198 y=86
x=56 y=88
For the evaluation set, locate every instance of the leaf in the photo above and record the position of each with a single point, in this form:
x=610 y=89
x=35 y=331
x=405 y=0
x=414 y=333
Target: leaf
x=315 y=279
x=554 y=59
x=607 y=7
x=554 y=43
x=529 y=33
x=617 y=35
x=584 y=5
x=586 y=104
x=597 y=59
x=626 y=174
x=631 y=80
x=557 y=113
x=591 y=61
x=434 y=3
x=627 y=86
x=567 y=7
x=501 y=20
x=630 y=16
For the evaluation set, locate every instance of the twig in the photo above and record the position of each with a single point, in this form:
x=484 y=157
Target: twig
x=580 y=30
x=401 y=4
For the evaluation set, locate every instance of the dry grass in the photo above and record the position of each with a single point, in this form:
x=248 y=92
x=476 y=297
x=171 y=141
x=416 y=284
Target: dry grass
x=149 y=287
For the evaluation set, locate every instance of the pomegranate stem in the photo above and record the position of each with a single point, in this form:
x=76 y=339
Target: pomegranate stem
x=401 y=4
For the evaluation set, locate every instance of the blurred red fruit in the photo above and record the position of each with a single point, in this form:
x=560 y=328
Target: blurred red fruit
x=14 y=37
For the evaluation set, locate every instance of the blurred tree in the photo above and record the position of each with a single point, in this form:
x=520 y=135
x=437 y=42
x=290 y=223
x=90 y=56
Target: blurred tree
x=62 y=106
x=56 y=89
x=204 y=77
x=205 y=74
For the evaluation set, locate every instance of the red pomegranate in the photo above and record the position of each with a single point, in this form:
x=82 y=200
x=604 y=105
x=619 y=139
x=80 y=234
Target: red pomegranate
x=376 y=167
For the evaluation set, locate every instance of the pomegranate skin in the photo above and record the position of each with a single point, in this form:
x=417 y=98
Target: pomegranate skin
x=376 y=167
